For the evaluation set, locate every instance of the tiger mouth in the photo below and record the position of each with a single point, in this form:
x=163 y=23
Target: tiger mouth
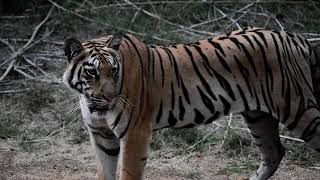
x=101 y=104
x=108 y=98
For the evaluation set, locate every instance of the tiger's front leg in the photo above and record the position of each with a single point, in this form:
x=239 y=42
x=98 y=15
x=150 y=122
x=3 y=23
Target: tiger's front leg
x=134 y=153
x=107 y=147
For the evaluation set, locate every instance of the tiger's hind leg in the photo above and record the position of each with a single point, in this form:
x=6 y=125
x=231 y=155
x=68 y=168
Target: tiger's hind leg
x=264 y=130
x=311 y=132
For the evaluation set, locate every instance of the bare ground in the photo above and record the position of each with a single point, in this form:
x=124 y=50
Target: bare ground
x=39 y=139
x=56 y=158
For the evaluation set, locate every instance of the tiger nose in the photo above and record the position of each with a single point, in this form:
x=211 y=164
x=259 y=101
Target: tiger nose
x=97 y=93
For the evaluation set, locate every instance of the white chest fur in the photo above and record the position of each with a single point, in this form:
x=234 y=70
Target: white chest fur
x=105 y=120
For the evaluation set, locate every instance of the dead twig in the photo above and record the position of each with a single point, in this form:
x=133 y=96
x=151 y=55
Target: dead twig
x=313 y=39
x=8 y=44
x=248 y=131
x=231 y=19
x=46 y=41
x=226 y=133
x=21 y=50
x=105 y=24
x=62 y=128
x=75 y=13
x=168 y=22
x=15 y=91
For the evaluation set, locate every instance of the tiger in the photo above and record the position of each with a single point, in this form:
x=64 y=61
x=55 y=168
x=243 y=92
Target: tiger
x=128 y=89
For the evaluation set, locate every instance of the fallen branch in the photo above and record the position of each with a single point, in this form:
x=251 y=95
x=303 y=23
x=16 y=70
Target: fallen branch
x=313 y=39
x=105 y=24
x=231 y=19
x=226 y=133
x=47 y=41
x=21 y=50
x=8 y=44
x=15 y=91
x=166 y=21
x=247 y=130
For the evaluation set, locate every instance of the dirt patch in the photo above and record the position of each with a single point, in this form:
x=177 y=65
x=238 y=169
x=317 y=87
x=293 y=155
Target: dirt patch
x=62 y=160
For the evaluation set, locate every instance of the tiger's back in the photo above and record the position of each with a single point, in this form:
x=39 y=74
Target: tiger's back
x=246 y=70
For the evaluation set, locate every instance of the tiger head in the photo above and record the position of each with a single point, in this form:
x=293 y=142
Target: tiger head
x=93 y=70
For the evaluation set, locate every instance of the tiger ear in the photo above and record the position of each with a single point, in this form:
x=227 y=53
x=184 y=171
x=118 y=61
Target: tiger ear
x=72 y=47
x=115 y=41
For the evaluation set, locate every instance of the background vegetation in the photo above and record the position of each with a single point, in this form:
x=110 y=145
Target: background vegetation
x=40 y=119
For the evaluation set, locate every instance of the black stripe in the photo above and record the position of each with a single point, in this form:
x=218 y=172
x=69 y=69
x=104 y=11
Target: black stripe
x=223 y=62
x=172 y=120
x=142 y=75
x=161 y=66
x=93 y=55
x=248 y=39
x=199 y=118
x=175 y=66
x=300 y=71
x=181 y=109
x=115 y=123
x=236 y=42
x=128 y=46
x=216 y=46
x=287 y=101
x=261 y=35
x=243 y=31
x=126 y=129
x=268 y=72
x=280 y=63
x=292 y=59
x=202 y=79
x=102 y=135
x=244 y=72
x=206 y=100
x=226 y=105
x=159 y=113
x=165 y=50
x=71 y=76
x=225 y=85
x=172 y=97
x=214 y=117
x=185 y=91
x=290 y=34
x=243 y=97
x=300 y=111
x=204 y=58
x=103 y=132
x=249 y=57
x=301 y=41
x=79 y=72
x=265 y=98
x=110 y=152
x=257 y=100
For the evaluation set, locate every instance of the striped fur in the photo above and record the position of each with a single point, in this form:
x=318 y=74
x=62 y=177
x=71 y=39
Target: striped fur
x=267 y=76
